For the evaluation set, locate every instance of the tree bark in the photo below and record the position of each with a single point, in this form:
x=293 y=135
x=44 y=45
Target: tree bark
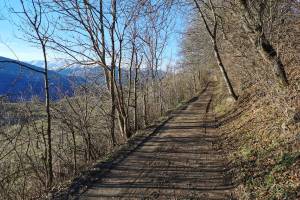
x=113 y=107
x=257 y=36
x=74 y=152
x=135 y=99
x=49 y=133
x=145 y=107
x=212 y=32
x=268 y=52
x=224 y=73
x=112 y=72
x=130 y=82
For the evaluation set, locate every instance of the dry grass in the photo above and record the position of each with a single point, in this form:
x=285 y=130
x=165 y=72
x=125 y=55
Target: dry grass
x=263 y=138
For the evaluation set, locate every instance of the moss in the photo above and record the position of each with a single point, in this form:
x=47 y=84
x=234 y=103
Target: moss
x=247 y=153
x=179 y=105
x=288 y=159
x=224 y=106
x=269 y=180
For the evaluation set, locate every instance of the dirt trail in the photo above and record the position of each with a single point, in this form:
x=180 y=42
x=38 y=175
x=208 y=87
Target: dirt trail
x=181 y=161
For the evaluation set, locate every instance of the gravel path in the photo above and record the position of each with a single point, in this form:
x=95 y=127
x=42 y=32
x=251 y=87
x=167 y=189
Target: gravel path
x=182 y=161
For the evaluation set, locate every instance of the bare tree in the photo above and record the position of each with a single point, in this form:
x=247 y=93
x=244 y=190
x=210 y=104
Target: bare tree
x=138 y=64
x=252 y=15
x=213 y=36
x=102 y=30
x=38 y=32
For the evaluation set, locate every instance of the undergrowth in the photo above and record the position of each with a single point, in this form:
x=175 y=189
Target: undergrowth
x=263 y=143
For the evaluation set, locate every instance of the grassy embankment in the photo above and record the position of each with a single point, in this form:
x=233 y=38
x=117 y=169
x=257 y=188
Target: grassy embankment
x=262 y=137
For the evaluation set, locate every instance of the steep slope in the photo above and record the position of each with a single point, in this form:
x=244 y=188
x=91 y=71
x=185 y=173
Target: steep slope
x=262 y=136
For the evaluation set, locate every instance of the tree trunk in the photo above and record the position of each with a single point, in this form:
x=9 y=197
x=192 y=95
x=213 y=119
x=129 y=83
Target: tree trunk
x=213 y=35
x=135 y=99
x=112 y=72
x=113 y=107
x=224 y=73
x=123 y=124
x=161 y=101
x=256 y=35
x=130 y=83
x=49 y=133
x=268 y=52
x=145 y=107
x=74 y=152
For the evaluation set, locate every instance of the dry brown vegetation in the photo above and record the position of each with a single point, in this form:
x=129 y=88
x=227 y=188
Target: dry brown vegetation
x=81 y=135
x=261 y=130
x=255 y=42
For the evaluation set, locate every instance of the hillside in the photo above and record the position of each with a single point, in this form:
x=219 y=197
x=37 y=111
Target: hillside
x=263 y=141
x=150 y=100
x=20 y=83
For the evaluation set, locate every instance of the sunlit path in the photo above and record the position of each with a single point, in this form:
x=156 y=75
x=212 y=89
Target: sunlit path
x=182 y=161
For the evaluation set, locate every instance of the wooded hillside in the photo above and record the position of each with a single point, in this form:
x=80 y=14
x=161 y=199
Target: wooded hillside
x=249 y=49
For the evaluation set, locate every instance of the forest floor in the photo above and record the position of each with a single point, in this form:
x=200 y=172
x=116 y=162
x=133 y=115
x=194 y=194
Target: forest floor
x=182 y=160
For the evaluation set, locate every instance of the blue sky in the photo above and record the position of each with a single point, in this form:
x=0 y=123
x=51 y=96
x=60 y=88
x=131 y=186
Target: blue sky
x=12 y=46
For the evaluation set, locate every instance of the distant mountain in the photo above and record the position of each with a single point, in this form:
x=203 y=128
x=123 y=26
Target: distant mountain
x=92 y=74
x=20 y=83
x=55 y=64
x=63 y=67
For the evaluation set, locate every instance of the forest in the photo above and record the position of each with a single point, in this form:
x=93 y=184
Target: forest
x=247 y=51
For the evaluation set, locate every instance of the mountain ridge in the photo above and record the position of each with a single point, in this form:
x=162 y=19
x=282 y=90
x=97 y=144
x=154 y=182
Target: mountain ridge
x=23 y=81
